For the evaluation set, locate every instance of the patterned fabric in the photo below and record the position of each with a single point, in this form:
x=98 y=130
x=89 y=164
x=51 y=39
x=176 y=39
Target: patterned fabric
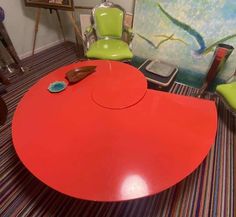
x=2 y=15
x=208 y=191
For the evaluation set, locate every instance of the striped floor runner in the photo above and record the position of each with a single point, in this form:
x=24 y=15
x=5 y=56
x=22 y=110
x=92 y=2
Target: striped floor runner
x=208 y=191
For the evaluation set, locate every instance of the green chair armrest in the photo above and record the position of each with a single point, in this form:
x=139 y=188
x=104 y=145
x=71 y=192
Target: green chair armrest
x=128 y=30
x=89 y=36
x=130 y=34
x=88 y=30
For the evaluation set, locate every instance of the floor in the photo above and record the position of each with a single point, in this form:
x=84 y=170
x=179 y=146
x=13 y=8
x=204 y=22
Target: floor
x=208 y=191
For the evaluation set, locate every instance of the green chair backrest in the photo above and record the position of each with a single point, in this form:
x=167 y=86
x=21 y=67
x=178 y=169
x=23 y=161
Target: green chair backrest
x=109 y=22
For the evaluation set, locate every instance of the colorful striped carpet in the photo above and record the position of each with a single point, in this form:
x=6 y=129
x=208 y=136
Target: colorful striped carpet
x=208 y=191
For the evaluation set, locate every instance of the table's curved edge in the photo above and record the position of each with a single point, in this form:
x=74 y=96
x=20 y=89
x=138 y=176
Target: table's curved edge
x=111 y=200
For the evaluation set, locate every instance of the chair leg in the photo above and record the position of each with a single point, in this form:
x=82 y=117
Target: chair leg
x=3 y=111
x=4 y=79
x=60 y=24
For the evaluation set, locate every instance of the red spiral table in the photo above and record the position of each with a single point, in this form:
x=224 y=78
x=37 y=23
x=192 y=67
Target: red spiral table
x=109 y=138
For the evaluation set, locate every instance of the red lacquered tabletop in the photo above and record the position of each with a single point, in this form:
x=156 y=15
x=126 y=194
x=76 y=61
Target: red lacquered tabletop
x=109 y=138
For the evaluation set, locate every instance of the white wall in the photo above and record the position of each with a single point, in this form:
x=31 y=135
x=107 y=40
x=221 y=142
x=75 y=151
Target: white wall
x=126 y=4
x=20 y=22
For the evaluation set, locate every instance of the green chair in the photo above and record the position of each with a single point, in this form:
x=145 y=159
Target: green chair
x=105 y=37
x=227 y=93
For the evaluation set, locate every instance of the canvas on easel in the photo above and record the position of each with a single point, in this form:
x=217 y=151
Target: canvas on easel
x=52 y=4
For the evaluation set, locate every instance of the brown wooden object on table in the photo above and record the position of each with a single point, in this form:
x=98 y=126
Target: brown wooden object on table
x=78 y=74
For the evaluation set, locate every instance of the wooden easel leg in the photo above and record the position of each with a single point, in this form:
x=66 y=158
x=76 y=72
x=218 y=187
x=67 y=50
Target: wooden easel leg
x=78 y=34
x=73 y=21
x=60 y=23
x=37 y=18
x=76 y=37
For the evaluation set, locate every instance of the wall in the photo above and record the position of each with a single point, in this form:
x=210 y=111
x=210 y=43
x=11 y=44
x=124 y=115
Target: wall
x=20 y=22
x=127 y=5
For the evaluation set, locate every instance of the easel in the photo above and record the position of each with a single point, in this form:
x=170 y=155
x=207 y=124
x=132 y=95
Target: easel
x=37 y=19
x=72 y=18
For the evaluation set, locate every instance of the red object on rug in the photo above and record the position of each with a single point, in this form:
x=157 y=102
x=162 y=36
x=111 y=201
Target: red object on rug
x=132 y=143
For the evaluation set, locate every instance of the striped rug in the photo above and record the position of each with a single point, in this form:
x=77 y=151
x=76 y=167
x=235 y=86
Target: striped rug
x=208 y=191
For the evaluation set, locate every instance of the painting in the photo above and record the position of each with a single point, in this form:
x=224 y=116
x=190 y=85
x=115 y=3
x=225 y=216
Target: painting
x=186 y=33
x=53 y=4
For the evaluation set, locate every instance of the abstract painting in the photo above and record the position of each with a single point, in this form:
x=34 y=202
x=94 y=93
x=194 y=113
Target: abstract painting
x=186 y=33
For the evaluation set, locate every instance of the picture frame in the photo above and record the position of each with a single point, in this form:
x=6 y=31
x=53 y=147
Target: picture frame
x=51 y=4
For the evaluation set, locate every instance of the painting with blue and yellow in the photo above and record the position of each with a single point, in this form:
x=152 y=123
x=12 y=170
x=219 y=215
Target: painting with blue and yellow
x=186 y=33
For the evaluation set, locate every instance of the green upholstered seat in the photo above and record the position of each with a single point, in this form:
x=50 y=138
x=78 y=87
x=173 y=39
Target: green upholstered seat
x=108 y=26
x=228 y=93
x=111 y=49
